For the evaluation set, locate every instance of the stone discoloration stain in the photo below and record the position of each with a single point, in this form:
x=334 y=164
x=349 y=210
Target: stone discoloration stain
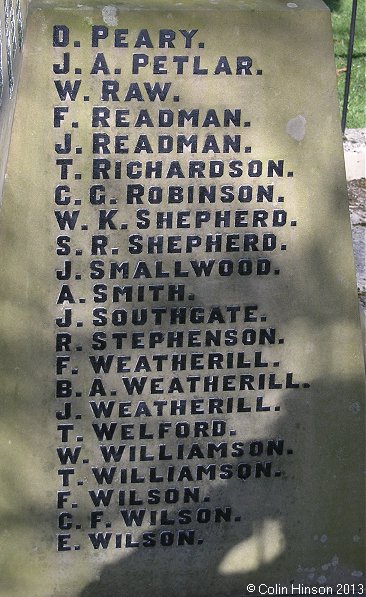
x=296 y=128
x=355 y=407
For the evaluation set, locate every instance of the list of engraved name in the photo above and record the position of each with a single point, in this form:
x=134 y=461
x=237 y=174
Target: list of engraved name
x=169 y=227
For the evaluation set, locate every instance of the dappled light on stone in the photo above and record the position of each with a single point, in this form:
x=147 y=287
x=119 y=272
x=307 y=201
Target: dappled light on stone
x=265 y=545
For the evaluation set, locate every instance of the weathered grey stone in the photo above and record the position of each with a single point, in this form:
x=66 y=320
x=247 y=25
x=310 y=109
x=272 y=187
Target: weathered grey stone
x=355 y=153
x=12 y=19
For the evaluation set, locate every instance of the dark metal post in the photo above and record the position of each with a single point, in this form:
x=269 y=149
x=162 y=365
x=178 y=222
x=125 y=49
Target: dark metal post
x=349 y=64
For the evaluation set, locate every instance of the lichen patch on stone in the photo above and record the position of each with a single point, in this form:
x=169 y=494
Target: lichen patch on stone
x=109 y=14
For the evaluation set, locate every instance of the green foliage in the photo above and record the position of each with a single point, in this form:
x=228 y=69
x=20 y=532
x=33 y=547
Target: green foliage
x=341 y=19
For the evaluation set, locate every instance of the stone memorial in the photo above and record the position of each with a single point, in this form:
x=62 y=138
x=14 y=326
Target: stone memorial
x=181 y=362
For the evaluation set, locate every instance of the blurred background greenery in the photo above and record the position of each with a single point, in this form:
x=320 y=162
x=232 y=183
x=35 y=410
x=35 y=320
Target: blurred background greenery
x=341 y=18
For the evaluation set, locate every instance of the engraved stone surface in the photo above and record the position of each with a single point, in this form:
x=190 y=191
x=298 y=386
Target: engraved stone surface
x=181 y=361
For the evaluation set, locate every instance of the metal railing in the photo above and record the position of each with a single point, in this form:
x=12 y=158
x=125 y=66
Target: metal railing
x=349 y=65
